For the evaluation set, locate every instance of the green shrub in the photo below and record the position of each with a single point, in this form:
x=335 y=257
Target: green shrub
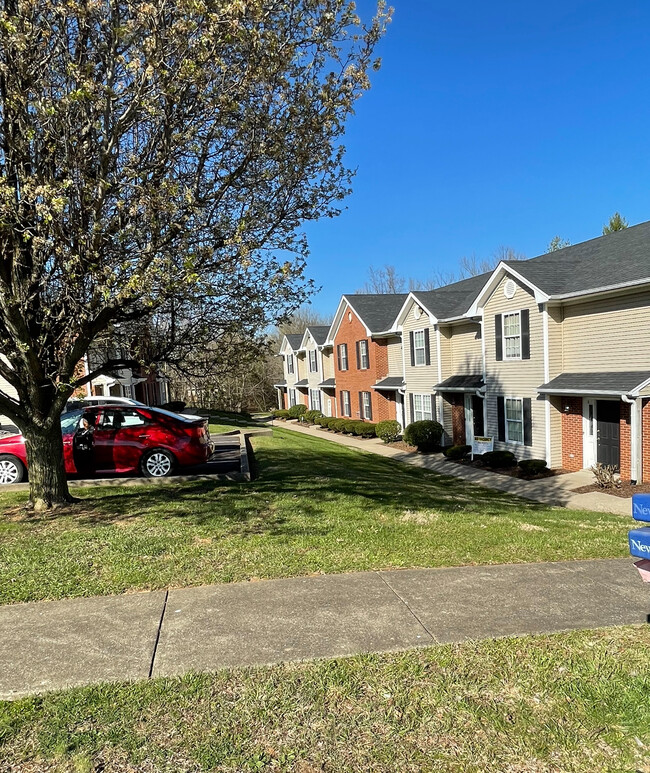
x=425 y=435
x=281 y=413
x=532 y=466
x=457 y=452
x=321 y=421
x=296 y=411
x=498 y=459
x=389 y=431
x=338 y=424
x=349 y=426
x=311 y=416
x=365 y=429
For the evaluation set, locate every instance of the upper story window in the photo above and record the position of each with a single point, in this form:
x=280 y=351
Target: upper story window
x=342 y=350
x=290 y=363
x=364 y=361
x=512 y=336
x=419 y=347
x=313 y=361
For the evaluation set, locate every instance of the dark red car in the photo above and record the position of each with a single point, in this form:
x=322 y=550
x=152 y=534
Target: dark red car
x=118 y=439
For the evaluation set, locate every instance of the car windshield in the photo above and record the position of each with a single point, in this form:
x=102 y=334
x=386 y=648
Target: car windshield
x=70 y=421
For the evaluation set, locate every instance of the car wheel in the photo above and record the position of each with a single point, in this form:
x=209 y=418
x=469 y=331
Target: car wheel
x=12 y=470
x=157 y=463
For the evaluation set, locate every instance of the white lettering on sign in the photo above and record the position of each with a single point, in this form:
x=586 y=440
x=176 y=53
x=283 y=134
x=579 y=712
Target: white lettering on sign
x=640 y=509
x=640 y=546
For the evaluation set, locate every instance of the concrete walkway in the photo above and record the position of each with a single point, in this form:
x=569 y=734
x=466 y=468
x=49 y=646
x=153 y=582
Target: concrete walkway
x=557 y=491
x=54 y=645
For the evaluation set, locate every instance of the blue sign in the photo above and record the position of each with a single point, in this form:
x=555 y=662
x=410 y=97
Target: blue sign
x=641 y=507
x=639 y=540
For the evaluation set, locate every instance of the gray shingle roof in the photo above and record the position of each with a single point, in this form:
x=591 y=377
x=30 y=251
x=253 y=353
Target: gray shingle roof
x=319 y=333
x=464 y=383
x=618 y=258
x=623 y=382
x=390 y=383
x=294 y=339
x=302 y=383
x=378 y=312
x=281 y=384
x=454 y=299
x=329 y=383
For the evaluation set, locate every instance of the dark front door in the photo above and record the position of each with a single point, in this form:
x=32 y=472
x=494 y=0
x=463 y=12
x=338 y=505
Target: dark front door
x=608 y=415
x=477 y=411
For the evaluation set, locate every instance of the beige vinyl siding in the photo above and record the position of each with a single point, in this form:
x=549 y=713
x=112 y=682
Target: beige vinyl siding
x=394 y=351
x=313 y=378
x=328 y=363
x=420 y=379
x=7 y=389
x=610 y=334
x=465 y=349
x=515 y=378
x=555 y=346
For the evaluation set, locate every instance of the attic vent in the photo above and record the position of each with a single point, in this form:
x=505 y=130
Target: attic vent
x=509 y=289
x=417 y=312
x=349 y=316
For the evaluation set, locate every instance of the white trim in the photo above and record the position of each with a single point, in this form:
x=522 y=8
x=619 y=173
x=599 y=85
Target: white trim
x=589 y=441
x=547 y=402
x=519 y=357
x=493 y=282
x=338 y=318
x=422 y=411
x=599 y=290
x=505 y=421
x=580 y=392
x=361 y=365
x=440 y=411
x=338 y=357
x=485 y=416
x=406 y=307
x=417 y=364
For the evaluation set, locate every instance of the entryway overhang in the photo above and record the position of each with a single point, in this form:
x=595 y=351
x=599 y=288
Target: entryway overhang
x=610 y=384
x=461 y=383
x=390 y=384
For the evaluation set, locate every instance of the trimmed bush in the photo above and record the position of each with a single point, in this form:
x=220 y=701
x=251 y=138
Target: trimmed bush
x=281 y=413
x=425 y=435
x=532 y=466
x=499 y=459
x=365 y=429
x=296 y=411
x=321 y=421
x=349 y=426
x=457 y=452
x=389 y=431
x=338 y=424
x=311 y=416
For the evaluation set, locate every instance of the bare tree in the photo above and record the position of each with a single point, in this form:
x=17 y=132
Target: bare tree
x=154 y=157
x=384 y=280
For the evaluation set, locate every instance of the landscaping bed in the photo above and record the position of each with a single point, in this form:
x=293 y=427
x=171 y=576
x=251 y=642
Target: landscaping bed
x=625 y=490
x=538 y=704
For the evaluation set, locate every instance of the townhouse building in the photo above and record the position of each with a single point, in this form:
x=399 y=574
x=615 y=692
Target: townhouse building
x=549 y=356
x=294 y=371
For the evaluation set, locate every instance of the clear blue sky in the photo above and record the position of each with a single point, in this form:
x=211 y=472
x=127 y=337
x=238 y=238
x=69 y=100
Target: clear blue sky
x=491 y=123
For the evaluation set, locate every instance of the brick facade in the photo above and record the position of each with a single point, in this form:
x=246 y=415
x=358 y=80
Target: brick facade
x=458 y=419
x=625 y=466
x=572 y=433
x=354 y=380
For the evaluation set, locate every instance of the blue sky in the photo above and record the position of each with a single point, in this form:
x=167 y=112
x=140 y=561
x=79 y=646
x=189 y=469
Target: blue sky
x=491 y=124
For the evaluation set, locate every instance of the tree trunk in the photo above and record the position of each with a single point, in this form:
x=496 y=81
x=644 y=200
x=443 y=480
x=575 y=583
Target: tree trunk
x=48 y=486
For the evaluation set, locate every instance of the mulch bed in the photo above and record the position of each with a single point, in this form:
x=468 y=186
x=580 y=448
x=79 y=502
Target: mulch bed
x=512 y=472
x=625 y=491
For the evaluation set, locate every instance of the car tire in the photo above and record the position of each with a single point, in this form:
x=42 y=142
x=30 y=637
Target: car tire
x=12 y=470
x=157 y=463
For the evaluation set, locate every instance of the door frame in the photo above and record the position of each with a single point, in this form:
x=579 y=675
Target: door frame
x=399 y=408
x=589 y=432
x=469 y=418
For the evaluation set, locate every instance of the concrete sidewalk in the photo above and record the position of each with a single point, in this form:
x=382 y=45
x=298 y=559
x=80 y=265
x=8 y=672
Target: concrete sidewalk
x=556 y=491
x=54 y=645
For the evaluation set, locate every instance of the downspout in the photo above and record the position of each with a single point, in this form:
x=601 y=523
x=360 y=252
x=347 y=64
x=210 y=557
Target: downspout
x=635 y=436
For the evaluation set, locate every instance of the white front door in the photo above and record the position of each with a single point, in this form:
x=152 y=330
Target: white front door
x=469 y=420
x=329 y=406
x=399 y=408
x=589 y=432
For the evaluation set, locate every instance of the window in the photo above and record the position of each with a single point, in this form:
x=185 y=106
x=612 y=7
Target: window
x=313 y=361
x=343 y=356
x=422 y=407
x=314 y=400
x=364 y=362
x=292 y=398
x=117 y=419
x=290 y=363
x=345 y=403
x=512 y=336
x=366 y=406
x=419 y=347
x=514 y=420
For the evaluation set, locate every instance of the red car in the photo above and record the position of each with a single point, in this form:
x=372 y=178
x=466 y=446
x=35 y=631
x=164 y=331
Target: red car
x=118 y=439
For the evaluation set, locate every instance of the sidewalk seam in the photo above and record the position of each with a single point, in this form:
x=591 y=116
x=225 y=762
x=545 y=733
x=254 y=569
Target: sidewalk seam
x=156 y=642
x=408 y=606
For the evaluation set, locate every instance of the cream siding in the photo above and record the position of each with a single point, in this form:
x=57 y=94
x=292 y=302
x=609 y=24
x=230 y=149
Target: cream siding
x=555 y=345
x=9 y=390
x=465 y=350
x=420 y=379
x=328 y=363
x=515 y=378
x=556 y=431
x=394 y=351
x=610 y=334
x=313 y=377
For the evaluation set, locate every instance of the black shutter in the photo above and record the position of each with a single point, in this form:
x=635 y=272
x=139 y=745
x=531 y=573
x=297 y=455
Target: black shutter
x=358 y=356
x=341 y=401
x=501 y=418
x=427 y=353
x=412 y=349
x=498 y=332
x=434 y=407
x=368 y=352
x=525 y=334
x=361 y=405
x=411 y=416
x=369 y=416
x=338 y=355
x=528 y=422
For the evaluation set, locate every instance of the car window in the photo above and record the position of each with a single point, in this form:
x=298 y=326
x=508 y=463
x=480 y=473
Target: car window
x=70 y=422
x=119 y=418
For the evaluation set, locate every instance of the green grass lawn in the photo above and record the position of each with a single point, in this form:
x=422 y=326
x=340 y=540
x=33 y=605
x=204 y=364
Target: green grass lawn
x=570 y=703
x=315 y=507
